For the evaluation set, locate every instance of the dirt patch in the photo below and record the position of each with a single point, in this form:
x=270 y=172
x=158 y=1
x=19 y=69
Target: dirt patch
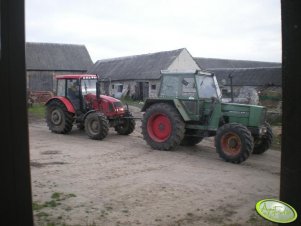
x=50 y=152
x=39 y=164
x=122 y=181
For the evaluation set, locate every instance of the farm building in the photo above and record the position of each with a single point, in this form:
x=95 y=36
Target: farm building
x=249 y=83
x=139 y=76
x=251 y=80
x=214 y=63
x=46 y=60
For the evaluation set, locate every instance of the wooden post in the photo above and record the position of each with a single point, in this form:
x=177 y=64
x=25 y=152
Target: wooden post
x=16 y=207
x=290 y=182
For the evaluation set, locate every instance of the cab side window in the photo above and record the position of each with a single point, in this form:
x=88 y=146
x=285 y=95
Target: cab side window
x=72 y=89
x=61 y=84
x=188 y=87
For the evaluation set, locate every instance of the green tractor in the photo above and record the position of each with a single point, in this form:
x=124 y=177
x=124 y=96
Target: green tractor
x=189 y=108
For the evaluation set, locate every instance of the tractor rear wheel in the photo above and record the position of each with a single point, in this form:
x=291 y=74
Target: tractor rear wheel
x=58 y=119
x=162 y=126
x=234 y=142
x=126 y=127
x=96 y=126
x=191 y=141
x=264 y=143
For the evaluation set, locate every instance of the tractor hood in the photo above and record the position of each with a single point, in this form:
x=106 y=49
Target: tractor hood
x=241 y=105
x=109 y=99
x=249 y=115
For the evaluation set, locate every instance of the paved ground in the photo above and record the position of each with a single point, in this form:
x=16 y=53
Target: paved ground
x=122 y=181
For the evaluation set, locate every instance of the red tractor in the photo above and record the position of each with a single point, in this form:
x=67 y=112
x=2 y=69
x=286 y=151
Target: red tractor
x=78 y=101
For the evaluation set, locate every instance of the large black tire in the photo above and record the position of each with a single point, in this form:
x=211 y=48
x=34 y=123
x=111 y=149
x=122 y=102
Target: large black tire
x=234 y=142
x=58 y=119
x=190 y=140
x=262 y=144
x=96 y=126
x=126 y=127
x=162 y=126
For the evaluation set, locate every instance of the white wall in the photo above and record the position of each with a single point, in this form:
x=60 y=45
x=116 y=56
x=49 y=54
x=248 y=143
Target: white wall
x=183 y=62
x=154 y=92
x=127 y=86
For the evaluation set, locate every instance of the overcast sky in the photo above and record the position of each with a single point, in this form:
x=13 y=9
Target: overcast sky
x=231 y=29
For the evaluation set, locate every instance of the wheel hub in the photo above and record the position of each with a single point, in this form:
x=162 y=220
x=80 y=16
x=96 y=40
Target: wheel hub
x=94 y=125
x=56 y=117
x=159 y=127
x=231 y=144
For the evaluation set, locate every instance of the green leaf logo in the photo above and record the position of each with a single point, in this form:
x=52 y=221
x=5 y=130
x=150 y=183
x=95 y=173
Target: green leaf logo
x=276 y=211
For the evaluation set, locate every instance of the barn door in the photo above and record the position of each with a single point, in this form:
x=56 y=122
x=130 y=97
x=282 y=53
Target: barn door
x=145 y=90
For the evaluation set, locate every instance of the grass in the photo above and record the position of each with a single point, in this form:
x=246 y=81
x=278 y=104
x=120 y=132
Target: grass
x=130 y=101
x=38 y=206
x=54 y=202
x=43 y=215
x=37 y=110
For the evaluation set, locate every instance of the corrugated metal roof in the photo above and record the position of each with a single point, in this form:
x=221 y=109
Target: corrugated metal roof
x=214 y=63
x=57 y=57
x=250 y=76
x=146 y=66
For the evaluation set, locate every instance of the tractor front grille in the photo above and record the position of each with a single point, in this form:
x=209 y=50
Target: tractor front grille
x=263 y=115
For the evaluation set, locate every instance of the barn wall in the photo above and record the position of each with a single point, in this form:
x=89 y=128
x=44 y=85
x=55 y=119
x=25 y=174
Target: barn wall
x=40 y=81
x=184 y=62
x=131 y=88
x=45 y=80
x=154 y=92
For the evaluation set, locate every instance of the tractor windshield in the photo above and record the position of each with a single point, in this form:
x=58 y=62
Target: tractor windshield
x=88 y=86
x=207 y=86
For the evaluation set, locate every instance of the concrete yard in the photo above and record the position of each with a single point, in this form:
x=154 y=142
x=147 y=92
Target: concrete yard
x=122 y=181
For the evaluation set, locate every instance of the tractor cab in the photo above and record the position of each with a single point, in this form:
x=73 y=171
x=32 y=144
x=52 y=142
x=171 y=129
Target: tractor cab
x=75 y=88
x=197 y=91
x=83 y=92
x=189 y=85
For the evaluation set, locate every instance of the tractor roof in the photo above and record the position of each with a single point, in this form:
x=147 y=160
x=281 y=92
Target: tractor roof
x=79 y=76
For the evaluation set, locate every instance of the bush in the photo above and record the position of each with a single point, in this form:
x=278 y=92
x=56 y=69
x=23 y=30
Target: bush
x=274 y=118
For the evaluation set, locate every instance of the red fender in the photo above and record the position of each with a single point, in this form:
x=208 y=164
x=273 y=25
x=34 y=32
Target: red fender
x=65 y=101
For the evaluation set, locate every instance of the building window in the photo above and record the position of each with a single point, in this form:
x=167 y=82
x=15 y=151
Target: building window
x=153 y=87
x=120 y=88
x=112 y=86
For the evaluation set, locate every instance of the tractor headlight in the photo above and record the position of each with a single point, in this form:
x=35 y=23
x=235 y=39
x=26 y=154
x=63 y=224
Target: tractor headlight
x=119 y=109
x=263 y=130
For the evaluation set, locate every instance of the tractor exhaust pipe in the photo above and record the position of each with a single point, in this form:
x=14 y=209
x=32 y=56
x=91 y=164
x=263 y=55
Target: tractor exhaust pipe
x=97 y=88
x=231 y=87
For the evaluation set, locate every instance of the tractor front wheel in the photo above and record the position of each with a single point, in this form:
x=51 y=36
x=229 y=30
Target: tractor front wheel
x=96 y=126
x=126 y=127
x=58 y=119
x=264 y=143
x=162 y=126
x=234 y=142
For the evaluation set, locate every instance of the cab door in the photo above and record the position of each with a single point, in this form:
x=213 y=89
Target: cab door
x=189 y=97
x=73 y=92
